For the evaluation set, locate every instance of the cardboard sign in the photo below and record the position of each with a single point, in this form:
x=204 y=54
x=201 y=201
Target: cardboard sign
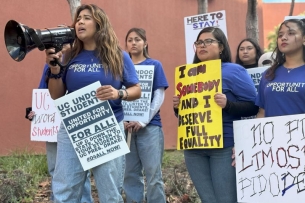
x=91 y=126
x=256 y=75
x=46 y=122
x=194 y=24
x=270 y=159
x=138 y=110
x=200 y=118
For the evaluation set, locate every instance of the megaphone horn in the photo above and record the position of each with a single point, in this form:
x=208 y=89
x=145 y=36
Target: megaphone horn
x=20 y=39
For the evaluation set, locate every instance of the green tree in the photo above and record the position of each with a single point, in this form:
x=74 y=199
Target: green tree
x=272 y=36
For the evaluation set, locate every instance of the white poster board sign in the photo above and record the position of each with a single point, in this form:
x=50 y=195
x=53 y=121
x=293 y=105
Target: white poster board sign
x=138 y=110
x=256 y=75
x=270 y=159
x=91 y=126
x=293 y=17
x=194 y=24
x=46 y=122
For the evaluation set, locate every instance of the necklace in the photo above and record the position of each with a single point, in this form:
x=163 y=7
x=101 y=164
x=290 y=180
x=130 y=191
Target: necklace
x=90 y=54
x=289 y=69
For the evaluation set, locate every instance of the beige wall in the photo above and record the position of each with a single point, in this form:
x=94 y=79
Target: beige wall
x=163 y=21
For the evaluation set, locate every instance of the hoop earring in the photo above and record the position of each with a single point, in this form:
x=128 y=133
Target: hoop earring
x=194 y=48
x=220 y=53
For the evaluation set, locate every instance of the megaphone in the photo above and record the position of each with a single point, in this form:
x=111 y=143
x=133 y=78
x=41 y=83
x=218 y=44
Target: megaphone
x=20 y=39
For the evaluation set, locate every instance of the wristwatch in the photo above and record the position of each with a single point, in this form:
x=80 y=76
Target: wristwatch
x=121 y=94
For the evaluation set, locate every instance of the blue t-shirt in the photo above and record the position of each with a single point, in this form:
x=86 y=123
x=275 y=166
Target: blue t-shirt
x=285 y=94
x=43 y=83
x=86 y=69
x=159 y=81
x=237 y=85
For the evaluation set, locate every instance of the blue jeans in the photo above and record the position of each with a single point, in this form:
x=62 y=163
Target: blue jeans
x=69 y=176
x=212 y=174
x=51 y=148
x=146 y=151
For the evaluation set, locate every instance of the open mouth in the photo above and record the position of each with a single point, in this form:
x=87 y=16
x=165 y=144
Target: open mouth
x=81 y=29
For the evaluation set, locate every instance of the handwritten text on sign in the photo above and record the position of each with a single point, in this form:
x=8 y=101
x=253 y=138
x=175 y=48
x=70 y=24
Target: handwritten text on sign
x=91 y=126
x=270 y=159
x=200 y=118
x=139 y=109
x=45 y=123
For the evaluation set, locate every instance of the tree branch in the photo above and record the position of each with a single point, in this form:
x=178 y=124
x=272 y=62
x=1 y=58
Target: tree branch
x=202 y=6
x=73 y=4
x=291 y=8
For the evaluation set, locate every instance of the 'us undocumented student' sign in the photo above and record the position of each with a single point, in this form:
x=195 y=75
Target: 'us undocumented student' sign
x=200 y=118
x=194 y=24
x=46 y=122
x=139 y=109
x=270 y=159
x=91 y=126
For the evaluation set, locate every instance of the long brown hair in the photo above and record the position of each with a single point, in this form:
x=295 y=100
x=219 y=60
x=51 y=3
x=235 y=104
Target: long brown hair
x=280 y=57
x=108 y=48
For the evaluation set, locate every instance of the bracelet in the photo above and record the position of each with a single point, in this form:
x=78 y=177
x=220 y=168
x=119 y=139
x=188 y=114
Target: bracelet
x=126 y=95
x=55 y=76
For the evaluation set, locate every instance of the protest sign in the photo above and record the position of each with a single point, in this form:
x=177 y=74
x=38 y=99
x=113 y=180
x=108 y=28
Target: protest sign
x=46 y=122
x=138 y=110
x=194 y=24
x=200 y=118
x=293 y=17
x=270 y=159
x=256 y=75
x=91 y=127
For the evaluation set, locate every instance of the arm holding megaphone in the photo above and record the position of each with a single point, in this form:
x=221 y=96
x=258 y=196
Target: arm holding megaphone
x=55 y=84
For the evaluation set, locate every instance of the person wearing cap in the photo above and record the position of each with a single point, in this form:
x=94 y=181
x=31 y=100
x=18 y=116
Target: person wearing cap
x=266 y=59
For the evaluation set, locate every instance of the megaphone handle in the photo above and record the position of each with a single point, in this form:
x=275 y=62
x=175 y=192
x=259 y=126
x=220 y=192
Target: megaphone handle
x=55 y=62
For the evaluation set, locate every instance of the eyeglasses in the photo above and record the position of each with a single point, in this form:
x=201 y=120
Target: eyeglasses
x=205 y=43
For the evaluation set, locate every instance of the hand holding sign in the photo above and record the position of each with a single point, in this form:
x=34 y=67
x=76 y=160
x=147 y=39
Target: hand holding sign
x=220 y=99
x=233 y=157
x=133 y=126
x=107 y=92
x=176 y=101
x=31 y=115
